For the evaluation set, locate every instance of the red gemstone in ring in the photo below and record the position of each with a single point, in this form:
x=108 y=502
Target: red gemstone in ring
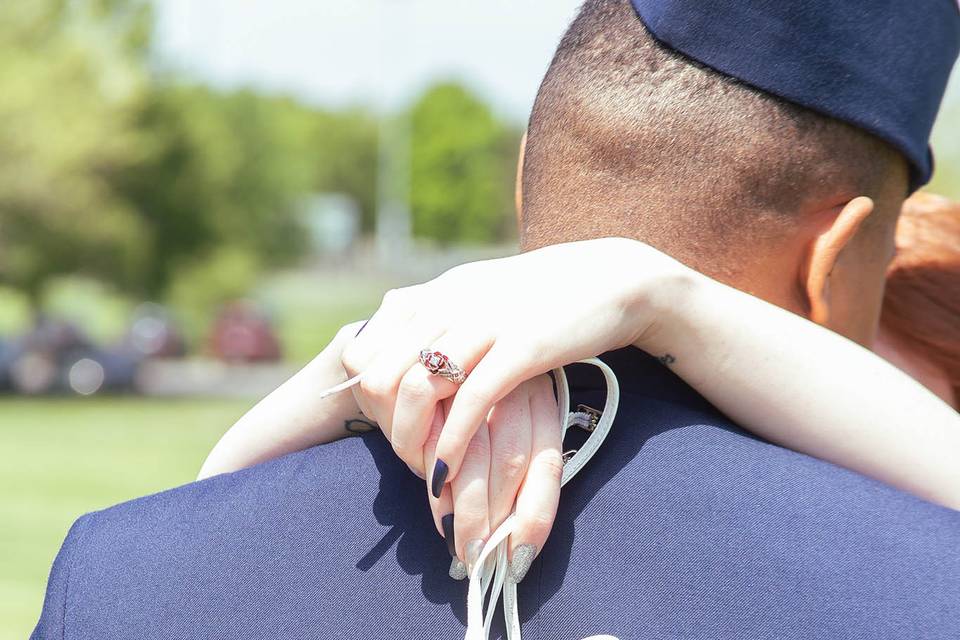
x=434 y=361
x=438 y=364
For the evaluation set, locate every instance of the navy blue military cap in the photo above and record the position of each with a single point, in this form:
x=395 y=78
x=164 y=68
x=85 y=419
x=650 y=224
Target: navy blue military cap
x=881 y=65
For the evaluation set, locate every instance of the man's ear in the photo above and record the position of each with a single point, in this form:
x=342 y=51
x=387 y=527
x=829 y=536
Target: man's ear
x=518 y=187
x=825 y=251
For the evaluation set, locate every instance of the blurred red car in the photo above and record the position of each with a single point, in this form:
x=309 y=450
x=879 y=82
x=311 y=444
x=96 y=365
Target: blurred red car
x=243 y=333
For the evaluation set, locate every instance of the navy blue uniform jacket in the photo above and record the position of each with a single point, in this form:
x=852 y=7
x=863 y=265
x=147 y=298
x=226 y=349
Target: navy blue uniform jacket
x=683 y=526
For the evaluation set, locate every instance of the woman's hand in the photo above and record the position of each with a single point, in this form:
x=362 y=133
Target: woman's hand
x=503 y=321
x=513 y=464
x=506 y=321
x=520 y=443
x=494 y=441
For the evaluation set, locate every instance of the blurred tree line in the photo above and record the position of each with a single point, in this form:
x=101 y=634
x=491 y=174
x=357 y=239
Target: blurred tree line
x=113 y=168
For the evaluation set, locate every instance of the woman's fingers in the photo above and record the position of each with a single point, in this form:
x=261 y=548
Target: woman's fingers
x=442 y=506
x=429 y=447
x=471 y=520
x=501 y=370
x=418 y=396
x=391 y=321
x=382 y=377
x=396 y=310
x=510 y=430
x=419 y=391
x=537 y=501
x=445 y=525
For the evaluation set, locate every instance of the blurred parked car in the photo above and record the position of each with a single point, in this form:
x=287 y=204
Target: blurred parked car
x=154 y=334
x=7 y=353
x=243 y=333
x=56 y=357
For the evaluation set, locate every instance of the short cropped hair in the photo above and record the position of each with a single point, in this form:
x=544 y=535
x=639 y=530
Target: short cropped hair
x=628 y=137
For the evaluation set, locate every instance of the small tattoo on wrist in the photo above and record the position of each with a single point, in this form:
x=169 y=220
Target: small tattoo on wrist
x=357 y=426
x=667 y=359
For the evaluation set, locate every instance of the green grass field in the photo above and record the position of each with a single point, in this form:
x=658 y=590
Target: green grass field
x=63 y=458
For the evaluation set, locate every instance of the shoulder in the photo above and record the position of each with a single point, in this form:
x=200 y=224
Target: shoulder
x=671 y=452
x=268 y=537
x=51 y=623
x=704 y=526
x=263 y=494
x=184 y=516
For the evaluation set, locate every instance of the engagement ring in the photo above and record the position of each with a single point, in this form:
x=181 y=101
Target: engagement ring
x=440 y=365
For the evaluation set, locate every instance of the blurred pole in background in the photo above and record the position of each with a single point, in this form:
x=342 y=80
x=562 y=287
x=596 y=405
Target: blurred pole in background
x=393 y=223
x=393 y=231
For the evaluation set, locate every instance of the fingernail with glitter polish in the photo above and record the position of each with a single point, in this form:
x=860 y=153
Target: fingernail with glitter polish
x=440 y=471
x=458 y=570
x=472 y=552
x=447 y=523
x=523 y=557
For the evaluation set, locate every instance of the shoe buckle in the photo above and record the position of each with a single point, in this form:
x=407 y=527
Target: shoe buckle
x=594 y=417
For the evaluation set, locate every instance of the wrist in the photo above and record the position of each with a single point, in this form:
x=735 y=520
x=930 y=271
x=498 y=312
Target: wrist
x=663 y=296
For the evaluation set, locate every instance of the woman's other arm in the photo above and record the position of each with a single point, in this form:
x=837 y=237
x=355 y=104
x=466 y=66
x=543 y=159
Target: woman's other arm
x=292 y=417
x=806 y=388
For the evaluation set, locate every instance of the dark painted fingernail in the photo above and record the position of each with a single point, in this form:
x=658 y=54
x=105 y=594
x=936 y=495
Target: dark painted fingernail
x=472 y=552
x=458 y=570
x=440 y=471
x=553 y=383
x=363 y=327
x=523 y=557
x=447 y=523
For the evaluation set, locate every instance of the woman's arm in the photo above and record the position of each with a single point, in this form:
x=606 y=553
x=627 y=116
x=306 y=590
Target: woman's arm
x=291 y=418
x=806 y=388
x=774 y=373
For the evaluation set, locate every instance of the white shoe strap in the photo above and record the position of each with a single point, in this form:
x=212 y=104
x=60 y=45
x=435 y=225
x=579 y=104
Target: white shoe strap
x=491 y=568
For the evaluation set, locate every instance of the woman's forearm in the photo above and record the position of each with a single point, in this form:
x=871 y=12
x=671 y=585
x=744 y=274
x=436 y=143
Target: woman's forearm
x=774 y=373
x=806 y=388
x=292 y=418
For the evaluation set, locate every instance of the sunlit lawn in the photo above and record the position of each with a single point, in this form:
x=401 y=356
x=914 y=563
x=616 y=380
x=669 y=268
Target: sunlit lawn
x=62 y=458
x=309 y=308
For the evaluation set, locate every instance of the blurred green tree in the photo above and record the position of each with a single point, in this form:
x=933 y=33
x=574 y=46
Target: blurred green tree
x=110 y=168
x=72 y=84
x=216 y=172
x=114 y=169
x=461 y=168
x=232 y=169
x=344 y=147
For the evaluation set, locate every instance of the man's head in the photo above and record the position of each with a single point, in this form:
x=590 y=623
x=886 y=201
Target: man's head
x=629 y=138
